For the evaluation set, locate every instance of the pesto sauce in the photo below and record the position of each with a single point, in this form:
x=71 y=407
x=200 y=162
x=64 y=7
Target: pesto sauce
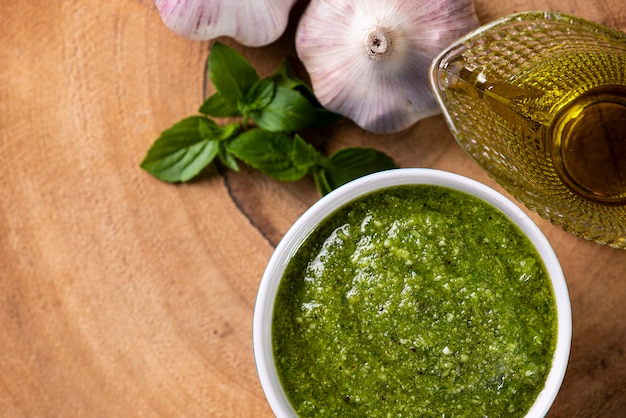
x=415 y=301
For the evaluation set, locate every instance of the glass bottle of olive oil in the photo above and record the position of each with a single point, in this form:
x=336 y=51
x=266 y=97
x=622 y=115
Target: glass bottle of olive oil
x=539 y=101
x=581 y=130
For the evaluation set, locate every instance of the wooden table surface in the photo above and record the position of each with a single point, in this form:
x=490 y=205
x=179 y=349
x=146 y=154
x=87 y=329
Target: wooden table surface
x=121 y=295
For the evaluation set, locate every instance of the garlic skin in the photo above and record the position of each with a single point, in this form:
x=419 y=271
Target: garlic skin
x=249 y=22
x=368 y=60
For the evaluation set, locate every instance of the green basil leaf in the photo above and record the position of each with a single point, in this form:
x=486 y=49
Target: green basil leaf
x=289 y=111
x=304 y=155
x=217 y=107
x=269 y=152
x=323 y=117
x=227 y=158
x=231 y=74
x=319 y=176
x=181 y=152
x=208 y=129
x=284 y=77
x=228 y=131
x=348 y=164
x=258 y=97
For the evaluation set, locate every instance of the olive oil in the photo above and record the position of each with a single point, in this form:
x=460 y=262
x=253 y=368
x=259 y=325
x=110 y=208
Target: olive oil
x=538 y=100
x=588 y=144
x=583 y=144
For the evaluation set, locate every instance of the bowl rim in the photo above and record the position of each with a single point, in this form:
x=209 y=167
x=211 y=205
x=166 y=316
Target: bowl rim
x=297 y=233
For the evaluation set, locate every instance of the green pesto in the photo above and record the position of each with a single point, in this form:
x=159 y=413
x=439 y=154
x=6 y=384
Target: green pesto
x=415 y=301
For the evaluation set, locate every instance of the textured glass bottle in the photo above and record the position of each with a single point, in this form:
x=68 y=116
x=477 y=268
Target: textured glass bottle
x=539 y=101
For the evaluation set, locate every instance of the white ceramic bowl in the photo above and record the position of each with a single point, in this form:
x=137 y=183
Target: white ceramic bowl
x=262 y=325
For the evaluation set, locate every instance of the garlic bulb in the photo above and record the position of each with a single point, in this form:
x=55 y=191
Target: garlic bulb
x=368 y=60
x=249 y=22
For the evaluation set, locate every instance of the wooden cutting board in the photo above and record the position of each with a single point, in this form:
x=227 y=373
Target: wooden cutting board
x=121 y=295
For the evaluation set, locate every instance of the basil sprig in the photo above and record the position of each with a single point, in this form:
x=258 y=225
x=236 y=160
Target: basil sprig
x=271 y=112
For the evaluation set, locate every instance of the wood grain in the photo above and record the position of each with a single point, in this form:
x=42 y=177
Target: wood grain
x=124 y=296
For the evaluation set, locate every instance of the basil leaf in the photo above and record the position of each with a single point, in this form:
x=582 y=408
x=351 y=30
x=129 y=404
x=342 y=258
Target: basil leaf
x=258 y=97
x=181 y=151
x=348 y=164
x=284 y=77
x=304 y=155
x=228 y=131
x=289 y=111
x=321 y=182
x=227 y=158
x=208 y=129
x=231 y=74
x=270 y=152
x=217 y=107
